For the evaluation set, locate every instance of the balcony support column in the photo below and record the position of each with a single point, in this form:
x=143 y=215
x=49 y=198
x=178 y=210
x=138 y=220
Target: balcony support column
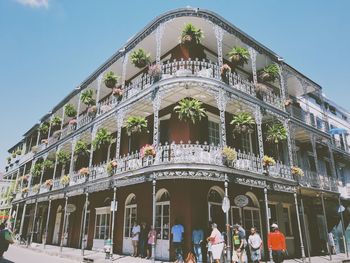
x=34 y=219
x=23 y=174
x=63 y=233
x=253 y=53
x=314 y=150
x=62 y=121
x=267 y=222
x=304 y=223
x=156 y=106
x=22 y=220
x=78 y=108
x=71 y=165
x=42 y=172
x=228 y=247
x=286 y=125
x=258 y=121
x=49 y=132
x=153 y=215
x=120 y=117
x=125 y=63
x=326 y=226
x=299 y=228
x=219 y=34
x=93 y=135
x=331 y=157
x=37 y=139
x=159 y=35
x=98 y=91
x=55 y=166
x=304 y=84
x=15 y=221
x=221 y=101
x=345 y=241
x=47 y=221
x=283 y=84
x=113 y=219
x=84 y=223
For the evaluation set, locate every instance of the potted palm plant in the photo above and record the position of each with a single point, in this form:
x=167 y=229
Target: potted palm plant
x=110 y=80
x=63 y=157
x=238 y=56
x=140 y=58
x=267 y=161
x=190 y=109
x=103 y=137
x=48 y=164
x=89 y=101
x=37 y=169
x=8 y=159
x=56 y=122
x=44 y=129
x=136 y=124
x=269 y=73
x=275 y=134
x=71 y=112
x=243 y=122
x=190 y=46
x=81 y=148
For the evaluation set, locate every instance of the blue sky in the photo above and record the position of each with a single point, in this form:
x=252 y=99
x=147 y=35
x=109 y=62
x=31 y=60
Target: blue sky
x=47 y=47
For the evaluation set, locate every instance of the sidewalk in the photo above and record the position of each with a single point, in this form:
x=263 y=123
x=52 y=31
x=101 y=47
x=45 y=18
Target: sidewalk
x=89 y=256
x=99 y=257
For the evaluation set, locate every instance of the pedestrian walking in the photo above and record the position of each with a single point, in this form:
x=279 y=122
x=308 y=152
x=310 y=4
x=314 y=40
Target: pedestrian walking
x=217 y=243
x=135 y=233
x=5 y=239
x=197 y=239
x=331 y=243
x=143 y=240
x=277 y=243
x=255 y=244
x=237 y=246
x=177 y=232
x=152 y=239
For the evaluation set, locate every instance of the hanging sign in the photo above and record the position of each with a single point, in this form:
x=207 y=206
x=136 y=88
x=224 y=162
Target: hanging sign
x=71 y=208
x=341 y=209
x=114 y=206
x=225 y=204
x=241 y=200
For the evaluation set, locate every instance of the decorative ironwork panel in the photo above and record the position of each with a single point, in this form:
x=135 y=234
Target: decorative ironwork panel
x=253 y=53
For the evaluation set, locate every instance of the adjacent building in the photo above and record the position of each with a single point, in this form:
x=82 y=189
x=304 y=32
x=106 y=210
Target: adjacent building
x=158 y=142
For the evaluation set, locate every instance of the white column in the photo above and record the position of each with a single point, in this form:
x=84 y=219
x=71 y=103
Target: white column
x=314 y=150
x=55 y=167
x=38 y=138
x=304 y=84
x=78 y=108
x=267 y=221
x=221 y=101
x=125 y=63
x=48 y=134
x=159 y=35
x=71 y=165
x=299 y=228
x=153 y=215
x=113 y=218
x=289 y=143
x=99 y=84
x=219 y=34
x=253 y=53
x=258 y=121
x=120 y=117
x=22 y=220
x=33 y=225
x=283 y=84
x=47 y=221
x=84 y=223
x=63 y=232
x=156 y=106
x=93 y=135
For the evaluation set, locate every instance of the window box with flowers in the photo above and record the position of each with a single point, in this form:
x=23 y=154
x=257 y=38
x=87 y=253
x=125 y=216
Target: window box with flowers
x=84 y=171
x=65 y=180
x=225 y=70
x=147 y=150
x=111 y=167
x=297 y=171
x=48 y=184
x=25 y=191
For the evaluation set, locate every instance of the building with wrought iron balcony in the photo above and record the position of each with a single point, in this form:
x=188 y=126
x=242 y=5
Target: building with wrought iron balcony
x=169 y=127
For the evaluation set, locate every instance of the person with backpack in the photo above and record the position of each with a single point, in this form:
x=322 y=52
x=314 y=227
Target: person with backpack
x=5 y=239
x=255 y=244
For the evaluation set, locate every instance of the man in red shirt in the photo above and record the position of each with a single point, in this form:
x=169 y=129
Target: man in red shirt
x=277 y=243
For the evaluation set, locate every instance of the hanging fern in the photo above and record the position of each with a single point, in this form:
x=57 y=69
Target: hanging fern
x=276 y=133
x=103 y=137
x=136 y=124
x=239 y=56
x=37 y=169
x=110 y=80
x=70 y=111
x=44 y=128
x=87 y=97
x=243 y=122
x=56 y=121
x=48 y=164
x=140 y=58
x=81 y=148
x=190 y=34
x=190 y=109
x=63 y=157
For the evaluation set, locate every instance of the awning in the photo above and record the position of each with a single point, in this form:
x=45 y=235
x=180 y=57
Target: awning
x=338 y=131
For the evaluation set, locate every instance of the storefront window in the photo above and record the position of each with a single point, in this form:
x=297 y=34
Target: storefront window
x=102 y=224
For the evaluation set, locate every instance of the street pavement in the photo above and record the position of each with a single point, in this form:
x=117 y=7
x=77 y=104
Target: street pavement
x=17 y=254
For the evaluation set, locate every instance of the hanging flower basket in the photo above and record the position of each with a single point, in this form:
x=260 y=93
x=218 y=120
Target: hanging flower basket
x=92 y=110
x=72 y=122
x=48 y=183
x=111 y=166
x=297 y=171
x=65 y=180
x=155 y=71
x=117 y=92
x=229 y=155
x=268 y=161
x=84 y=171
x=148 y=150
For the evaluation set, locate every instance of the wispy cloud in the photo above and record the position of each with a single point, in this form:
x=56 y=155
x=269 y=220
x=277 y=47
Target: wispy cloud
x=35 y=3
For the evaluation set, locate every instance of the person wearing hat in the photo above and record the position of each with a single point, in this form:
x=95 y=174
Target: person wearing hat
x=276 y=241
x=217 y=243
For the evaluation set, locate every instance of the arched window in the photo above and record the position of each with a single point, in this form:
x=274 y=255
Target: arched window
x=162 y=224
x=130 y=214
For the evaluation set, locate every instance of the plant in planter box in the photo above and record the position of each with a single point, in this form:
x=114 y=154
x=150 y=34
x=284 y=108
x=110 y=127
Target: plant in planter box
x=72 y=122
x=13 y=155
x=48 y=164
x=111 y=166
x=25 y=190
x=261 y=89
x=239 y=56
x=48 y=183
x=56 y=122
x=57 y=134
x=224 y=71
x=65 y=180
x=191 y=35
x=190 y=109
x=63 y=157
x=37 y=169
x=136 y=124
x=297 y=171
x=70 y=111
x=18 y=152
x=92 y=110
x=110 y=80
x=147 y=150
x=81 y=148
x=103 y=137
x=243 y=122
x=155 y=71
x=268 y=161
x=36 y=188
x=117 y=92
x=140 y=58
x=8 y=159
x=34 y=149
x=276 y=133
x=269 y=73
x=44 y=128
x=228 y=155
x=84 y=171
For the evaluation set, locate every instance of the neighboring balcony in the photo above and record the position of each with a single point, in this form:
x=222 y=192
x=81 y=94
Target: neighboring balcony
x=314 y=180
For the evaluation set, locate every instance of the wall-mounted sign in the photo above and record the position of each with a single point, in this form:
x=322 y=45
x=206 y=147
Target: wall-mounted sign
x=71 y=208
x=225 y=204
x=241 y=200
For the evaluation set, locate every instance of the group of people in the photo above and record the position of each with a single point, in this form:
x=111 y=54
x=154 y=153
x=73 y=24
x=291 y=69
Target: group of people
x=216 y=244
x=142 y=239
